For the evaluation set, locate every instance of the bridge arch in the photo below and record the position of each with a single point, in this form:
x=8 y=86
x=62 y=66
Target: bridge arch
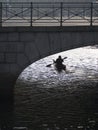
x=21 y=46
x=43 y=43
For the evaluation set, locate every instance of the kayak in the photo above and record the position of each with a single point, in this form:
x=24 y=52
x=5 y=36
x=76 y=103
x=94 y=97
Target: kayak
x=60 y=68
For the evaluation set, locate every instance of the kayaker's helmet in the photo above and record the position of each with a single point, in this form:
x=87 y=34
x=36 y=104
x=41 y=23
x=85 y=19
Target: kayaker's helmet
x=60 y=57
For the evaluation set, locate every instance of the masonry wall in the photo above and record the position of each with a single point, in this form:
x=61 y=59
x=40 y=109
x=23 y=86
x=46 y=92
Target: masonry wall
x=20 y=47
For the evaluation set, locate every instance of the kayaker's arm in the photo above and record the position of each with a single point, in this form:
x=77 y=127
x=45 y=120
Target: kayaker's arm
x=49 y=65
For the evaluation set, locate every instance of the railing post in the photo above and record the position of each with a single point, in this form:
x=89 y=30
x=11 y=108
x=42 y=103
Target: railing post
x=22 y=10
x=6 y=10
x=68 y=12
x=53 y=11
x=61 y=13
x=31 y=14
x=0 y=14
x=91 y=18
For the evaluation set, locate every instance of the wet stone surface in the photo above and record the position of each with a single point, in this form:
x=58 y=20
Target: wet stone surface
x=48 y=100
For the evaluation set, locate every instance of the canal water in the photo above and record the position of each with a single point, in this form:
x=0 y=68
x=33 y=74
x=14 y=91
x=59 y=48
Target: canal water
x=47 y=100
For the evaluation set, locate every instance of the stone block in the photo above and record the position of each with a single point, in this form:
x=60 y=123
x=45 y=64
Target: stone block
x=27 y=36
x=55 y=41
x=3 y=37
x=2 y=47
x=11 y=58
x=22 y=60
x=20 y=47
x=14 y=68
x=13 y=36
x=1 y=57
x=4 y=68
x=11 y=47
x=42 y=42
x=31 y=51
x=86 y=39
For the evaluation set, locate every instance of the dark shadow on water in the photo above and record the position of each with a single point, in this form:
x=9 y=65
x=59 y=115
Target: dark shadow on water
x=6 y=115
x=6 y=101
x=67 y=110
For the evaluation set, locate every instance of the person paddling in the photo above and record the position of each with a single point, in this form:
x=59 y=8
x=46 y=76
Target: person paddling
x=59 y=60
x=59 y=64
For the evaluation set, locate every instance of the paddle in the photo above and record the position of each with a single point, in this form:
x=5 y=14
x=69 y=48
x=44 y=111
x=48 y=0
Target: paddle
x=49 y=65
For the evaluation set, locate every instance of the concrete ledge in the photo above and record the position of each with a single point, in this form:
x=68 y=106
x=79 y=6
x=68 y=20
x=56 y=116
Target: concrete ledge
x=49 y=29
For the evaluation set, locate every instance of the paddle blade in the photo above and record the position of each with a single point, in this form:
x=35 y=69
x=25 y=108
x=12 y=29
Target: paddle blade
x=48 y=65
x=64 y=57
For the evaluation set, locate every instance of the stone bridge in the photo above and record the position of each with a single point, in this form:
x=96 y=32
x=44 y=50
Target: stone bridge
x=21 y=46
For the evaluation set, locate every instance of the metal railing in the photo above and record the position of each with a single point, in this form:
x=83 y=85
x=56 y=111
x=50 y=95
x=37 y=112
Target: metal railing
x=48 y=14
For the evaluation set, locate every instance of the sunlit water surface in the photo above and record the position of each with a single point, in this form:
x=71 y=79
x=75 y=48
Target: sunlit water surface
x=48 y=100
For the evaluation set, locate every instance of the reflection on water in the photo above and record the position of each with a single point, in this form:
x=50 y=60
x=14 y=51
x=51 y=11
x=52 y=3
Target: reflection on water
x=47 y=100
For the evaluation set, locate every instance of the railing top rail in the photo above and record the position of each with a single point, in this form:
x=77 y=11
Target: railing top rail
x=49 y=2
x=18 y=4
